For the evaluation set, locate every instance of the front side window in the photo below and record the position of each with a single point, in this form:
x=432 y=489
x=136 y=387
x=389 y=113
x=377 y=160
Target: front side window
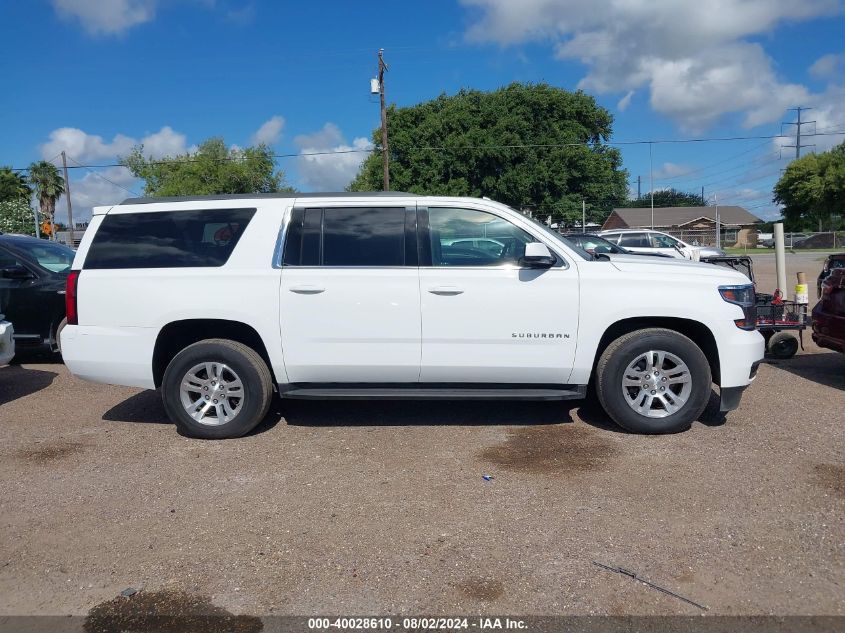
x=467 y=237
x=346 y=236
x=167 y=239
x=663 y=241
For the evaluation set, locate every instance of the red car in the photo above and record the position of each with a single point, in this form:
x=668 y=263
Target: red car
x=829 y=313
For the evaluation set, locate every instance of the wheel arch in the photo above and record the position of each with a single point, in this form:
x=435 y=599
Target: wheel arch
x=177 y=335
x=696 y=331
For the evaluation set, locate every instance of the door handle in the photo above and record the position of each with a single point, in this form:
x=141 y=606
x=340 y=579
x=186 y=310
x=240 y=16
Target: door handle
x=307 y=290
x=446 y=291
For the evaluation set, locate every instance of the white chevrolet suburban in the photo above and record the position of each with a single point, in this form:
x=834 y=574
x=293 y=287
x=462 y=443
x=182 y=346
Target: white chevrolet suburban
x=220 y=300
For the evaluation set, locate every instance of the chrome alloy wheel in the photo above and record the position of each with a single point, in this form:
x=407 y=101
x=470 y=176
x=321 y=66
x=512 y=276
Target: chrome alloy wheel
x=656 y=384
x=212 y=393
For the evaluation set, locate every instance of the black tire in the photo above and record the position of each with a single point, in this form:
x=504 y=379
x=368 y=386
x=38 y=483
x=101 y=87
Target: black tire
x=246 y=363
x=782 y=345
x=612 y=366
x=59 y=328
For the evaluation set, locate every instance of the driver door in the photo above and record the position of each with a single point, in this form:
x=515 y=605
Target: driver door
x=486 y=319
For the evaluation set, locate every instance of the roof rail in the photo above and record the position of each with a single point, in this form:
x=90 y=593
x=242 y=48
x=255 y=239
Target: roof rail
x=252 y=196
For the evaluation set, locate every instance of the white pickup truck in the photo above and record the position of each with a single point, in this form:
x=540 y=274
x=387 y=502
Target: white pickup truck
x=220 y=300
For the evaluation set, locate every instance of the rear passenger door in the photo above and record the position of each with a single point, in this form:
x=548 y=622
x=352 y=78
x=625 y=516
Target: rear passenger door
x=635 y=242
x=350 y=303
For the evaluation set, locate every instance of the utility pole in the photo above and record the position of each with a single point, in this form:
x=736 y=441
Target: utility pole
x=651 y=186
x=384 y=158
x=702 y=196
x=69 y=206
x=718 y=223
x=583 y=216
x=639 y=187
x=798 y=125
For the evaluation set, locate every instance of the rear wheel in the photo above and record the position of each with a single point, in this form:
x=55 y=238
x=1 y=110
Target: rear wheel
x=653 y=381
x=216 y=388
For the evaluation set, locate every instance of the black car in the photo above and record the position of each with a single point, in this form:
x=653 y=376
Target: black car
x=594 y=244
x=837 y=260
x=33 y=274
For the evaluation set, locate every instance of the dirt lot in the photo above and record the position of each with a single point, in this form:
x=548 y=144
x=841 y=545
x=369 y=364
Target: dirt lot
x=377 y=508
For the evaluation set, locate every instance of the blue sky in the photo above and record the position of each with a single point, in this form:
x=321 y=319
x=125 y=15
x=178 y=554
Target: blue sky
x=94 y=77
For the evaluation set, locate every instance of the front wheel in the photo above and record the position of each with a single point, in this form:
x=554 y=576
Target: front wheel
x=216 y=389
x=653 y=381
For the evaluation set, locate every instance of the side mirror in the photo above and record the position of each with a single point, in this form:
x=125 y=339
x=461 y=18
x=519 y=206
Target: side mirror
x=15 y=272
x=537 y=255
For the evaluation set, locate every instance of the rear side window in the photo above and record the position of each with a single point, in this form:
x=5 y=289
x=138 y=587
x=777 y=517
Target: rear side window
x=634 y=240
x=167 y=239
x=350 y=236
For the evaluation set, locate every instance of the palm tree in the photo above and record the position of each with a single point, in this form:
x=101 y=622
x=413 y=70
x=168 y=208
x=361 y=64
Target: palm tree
x=13 y=185
x=49 y=185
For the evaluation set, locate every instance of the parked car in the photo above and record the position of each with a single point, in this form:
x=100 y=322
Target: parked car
x=834 y=261
x=594 y=244
x=219 y=300
x=648 y=241
x=829 y=313
x=33 y=276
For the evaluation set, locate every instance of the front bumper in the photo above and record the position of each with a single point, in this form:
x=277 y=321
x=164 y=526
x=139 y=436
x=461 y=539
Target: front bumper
x=7 y=342
x=730 y=398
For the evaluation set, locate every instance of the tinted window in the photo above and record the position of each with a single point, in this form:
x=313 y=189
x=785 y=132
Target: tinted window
x=634 y=240
x=466 y=237
x=364 y=237
x=168 y=239
x=346 y=236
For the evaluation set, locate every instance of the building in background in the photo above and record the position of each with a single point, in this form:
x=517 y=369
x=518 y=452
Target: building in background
x=691 y=224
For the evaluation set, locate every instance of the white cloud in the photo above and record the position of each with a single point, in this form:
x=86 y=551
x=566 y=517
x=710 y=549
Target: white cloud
x=625 y=101
x=827 y=66
x=692 y=55
x=671 y=170
x=270 y=131
x=91 y=147
x=107 y=17
x=95 y=189
x=329 y=172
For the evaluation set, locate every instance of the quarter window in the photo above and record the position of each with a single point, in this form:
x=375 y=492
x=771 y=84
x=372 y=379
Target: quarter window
x=167 y=239
x=467 y=237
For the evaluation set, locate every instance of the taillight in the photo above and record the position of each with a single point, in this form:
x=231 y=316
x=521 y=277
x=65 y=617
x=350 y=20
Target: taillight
x=70 y=297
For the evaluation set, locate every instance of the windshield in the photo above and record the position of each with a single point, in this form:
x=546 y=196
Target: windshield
x=54 y=257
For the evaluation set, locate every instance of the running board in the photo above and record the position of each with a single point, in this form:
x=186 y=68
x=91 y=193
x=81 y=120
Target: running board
x=315 y=391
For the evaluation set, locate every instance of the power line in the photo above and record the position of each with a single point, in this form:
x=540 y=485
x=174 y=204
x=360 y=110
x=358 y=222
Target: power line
x=469 y=148
x=109 y=180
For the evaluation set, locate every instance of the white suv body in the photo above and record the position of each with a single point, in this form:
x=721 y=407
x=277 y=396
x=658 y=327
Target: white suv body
x=378 y=295
x=651 y=241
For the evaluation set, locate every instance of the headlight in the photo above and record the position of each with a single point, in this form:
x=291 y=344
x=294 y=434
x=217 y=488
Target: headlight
x=744 y=297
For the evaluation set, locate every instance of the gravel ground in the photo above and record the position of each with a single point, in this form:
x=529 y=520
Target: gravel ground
x=381 y=508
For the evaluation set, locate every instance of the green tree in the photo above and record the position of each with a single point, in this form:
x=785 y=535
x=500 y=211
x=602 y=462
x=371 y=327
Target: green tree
x=813 y=188
x=13 y=185
x=49 y=185
x=667 y=198
x=16 y=216
x=212 y=169
x=466 y=145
